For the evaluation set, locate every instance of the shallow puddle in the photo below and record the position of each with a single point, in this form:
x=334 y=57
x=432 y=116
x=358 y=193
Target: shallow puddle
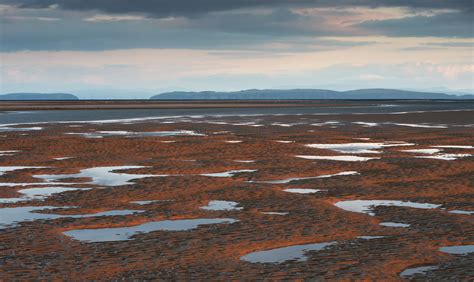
x=285 y=124
x=23 y=184
x=9 y=217
x=63 y=158
x=423 y=151
x=8 y=153
x=12 y=129
x=417 y=270
x=275 y=213
x=445 y=157
x=104 y=176
x=394 y=224
x=222 y=206
x=420 y=125
x=302 y=190
x=102 y=134
x=461 y=212
x=325 y=123
x=337 y=158
x=126 y=233
x=366 y=124
x=38 y=194
x=358 y=148
x=250 y=123
x=370 y=237
x=4 y=169
x=142 y=203
x=366 y=206
x=280 y=255
x=289 y=180
x=229 y=173
x=454 y=147
x=458 y=250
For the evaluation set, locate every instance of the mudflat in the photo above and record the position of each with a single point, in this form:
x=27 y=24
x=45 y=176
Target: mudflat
x=381 y=196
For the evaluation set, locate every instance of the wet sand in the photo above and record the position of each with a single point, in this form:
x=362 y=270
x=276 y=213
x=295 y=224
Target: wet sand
x=40 y=250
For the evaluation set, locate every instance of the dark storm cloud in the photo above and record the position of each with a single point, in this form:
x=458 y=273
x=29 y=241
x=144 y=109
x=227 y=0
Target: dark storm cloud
x=192 y=8
x=79 y=35
x=239 y=25
x=453 y=24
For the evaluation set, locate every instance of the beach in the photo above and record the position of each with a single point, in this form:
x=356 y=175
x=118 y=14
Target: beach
x=364 y=195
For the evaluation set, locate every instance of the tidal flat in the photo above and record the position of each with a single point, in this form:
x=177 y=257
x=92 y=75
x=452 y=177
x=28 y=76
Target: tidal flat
x=335 y=194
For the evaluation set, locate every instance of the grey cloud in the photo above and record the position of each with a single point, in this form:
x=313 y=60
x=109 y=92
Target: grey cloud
x=236 y=30
x=75 y=35
x=186 y=8
x=451 y=24
x=89 y=36
x=439 y=46
x=452 y=44
x=243 y=29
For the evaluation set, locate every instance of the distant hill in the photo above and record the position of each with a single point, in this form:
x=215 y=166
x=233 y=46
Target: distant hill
x=303 y=94
x=38 y=96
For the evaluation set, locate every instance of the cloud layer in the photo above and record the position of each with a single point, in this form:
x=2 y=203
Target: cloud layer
x=172 y=8
x=235 y=43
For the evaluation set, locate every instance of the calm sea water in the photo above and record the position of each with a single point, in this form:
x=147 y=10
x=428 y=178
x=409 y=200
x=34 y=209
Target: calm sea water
x=343 y=108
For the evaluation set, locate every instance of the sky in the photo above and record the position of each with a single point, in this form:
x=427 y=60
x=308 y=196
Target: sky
x=137 y=48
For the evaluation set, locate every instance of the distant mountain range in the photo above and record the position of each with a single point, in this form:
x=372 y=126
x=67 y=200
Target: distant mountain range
x=302 y=94
x=38 y=96
x=269 y=94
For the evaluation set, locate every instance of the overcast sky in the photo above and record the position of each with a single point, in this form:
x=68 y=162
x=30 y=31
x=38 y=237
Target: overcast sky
x=146 y=46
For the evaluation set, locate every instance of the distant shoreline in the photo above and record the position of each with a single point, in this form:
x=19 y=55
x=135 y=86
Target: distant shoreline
x=194 y=104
